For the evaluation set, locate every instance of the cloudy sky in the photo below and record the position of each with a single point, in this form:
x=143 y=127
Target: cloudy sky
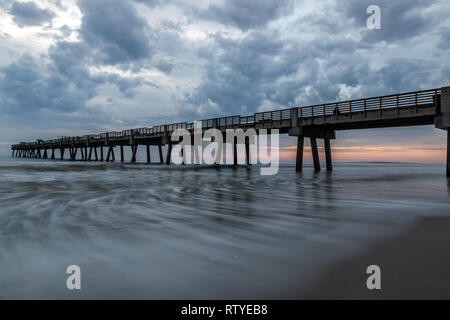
x=76 y=67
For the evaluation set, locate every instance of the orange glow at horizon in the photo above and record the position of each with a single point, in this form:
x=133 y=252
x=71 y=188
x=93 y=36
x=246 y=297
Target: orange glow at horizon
x=411 y=153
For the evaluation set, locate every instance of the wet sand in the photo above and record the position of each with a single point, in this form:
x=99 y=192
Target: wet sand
x=414 y=265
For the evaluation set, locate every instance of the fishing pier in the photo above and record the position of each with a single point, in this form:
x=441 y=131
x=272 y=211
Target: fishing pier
x=426 y=107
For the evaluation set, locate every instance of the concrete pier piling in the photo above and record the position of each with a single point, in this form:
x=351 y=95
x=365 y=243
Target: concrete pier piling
x=299 y=156
x=148 y=153
x=161 y=160
x=315 y=153
x=448 y=152
x=327 y=146
x=169 y=154
x=133 y=153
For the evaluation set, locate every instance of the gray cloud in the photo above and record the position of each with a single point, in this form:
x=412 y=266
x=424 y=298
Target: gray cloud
x=245 y=15
x=27 y=87
x=29 y=14
x=263 y=68
x=114 y=31
x=243 y=75
x=63 y=82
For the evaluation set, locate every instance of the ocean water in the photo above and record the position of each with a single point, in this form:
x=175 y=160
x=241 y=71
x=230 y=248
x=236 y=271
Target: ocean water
x=159 y=232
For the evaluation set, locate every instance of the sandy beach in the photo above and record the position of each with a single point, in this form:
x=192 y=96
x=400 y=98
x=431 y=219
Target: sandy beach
x=414 y=265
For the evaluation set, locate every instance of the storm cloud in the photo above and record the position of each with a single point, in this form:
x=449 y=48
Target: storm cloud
x=29 y=14
x=145 y=61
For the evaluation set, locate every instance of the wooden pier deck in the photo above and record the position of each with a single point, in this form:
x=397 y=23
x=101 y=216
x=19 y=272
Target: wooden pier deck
x=321 y=121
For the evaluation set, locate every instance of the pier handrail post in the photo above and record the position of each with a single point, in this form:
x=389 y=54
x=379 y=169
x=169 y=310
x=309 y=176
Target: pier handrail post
x=416 y=104
x=398 y=105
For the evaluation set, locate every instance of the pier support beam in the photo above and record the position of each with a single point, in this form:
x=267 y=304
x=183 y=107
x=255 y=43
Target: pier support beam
x=160 y=154
x=299 y=159
x=448 y=152
x=247 y=152
x=121 y=153
x=169 y=154
x=95 y=153
x=53 y=154
x=235 y=153
x=328 y=154
x=73 y=154
x=183 y=154
x=147 y=149
x=61 y=153
x=133 y=151
x=101 y=153
x=110 y=156
x=315 y=153
x=45 y=156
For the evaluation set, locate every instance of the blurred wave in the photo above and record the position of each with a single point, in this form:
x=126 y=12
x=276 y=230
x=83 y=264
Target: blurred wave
x=156 y=231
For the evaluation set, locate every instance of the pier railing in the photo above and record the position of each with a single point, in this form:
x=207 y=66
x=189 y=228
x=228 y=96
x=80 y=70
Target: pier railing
x=411 y=100
x=396 y=101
